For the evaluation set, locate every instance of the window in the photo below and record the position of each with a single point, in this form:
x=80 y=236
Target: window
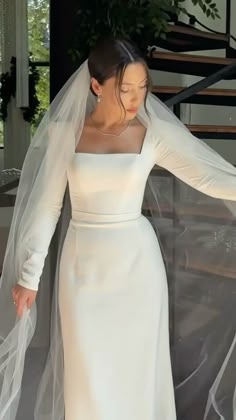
x=38 y=26
x=38 y=32
x=1 y=36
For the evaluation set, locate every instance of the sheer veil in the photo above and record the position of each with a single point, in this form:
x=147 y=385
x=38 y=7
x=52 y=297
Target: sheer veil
x=45 y=165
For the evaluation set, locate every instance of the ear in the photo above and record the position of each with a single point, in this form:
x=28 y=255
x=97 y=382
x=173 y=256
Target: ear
x=96 y=87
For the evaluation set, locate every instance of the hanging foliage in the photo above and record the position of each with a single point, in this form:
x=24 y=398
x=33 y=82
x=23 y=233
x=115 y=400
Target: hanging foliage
x=8 y=91
x=140 y=20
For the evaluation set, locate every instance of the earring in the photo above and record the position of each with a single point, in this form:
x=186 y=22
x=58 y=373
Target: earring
x=99 y=98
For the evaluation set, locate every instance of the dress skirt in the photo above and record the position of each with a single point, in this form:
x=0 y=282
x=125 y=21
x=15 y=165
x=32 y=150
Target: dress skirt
x=113 y=300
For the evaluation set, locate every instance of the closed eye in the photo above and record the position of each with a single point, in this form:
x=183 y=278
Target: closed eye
x=126 y=91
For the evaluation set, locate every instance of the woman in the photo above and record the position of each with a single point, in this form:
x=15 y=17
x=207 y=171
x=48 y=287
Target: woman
x=113 y=361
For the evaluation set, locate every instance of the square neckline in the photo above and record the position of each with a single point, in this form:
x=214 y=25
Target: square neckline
x=117 y=153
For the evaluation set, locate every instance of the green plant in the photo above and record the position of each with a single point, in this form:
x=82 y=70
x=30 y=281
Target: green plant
x=8 y=90
x=38 y=31
x=141 y=20
x=208 y=7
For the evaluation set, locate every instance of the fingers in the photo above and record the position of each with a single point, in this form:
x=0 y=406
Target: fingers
x=14 y=294
x=23 y=302
x=20 y=305
x=22 y=297
x=15 y=298
x=30 y=302
x=20 y=301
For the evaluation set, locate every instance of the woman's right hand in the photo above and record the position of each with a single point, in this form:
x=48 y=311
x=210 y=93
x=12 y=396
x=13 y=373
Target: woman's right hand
x=21 y=297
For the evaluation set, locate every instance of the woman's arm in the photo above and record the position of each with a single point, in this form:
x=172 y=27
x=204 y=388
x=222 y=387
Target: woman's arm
x=46 y=219
x=195 y=163
x=38 y=230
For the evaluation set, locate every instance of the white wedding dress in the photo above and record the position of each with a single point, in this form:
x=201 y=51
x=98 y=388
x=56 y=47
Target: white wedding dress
x=113 y=294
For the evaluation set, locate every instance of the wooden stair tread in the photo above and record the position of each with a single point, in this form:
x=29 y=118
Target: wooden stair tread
x=188 y=30
x=212 y=128
x=192 y=57
x=197 y=65
x=219 y=97
x=182 y=37
x=209 y=91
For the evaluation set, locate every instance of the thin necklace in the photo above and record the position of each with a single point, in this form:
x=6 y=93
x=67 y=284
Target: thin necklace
x=109 y=134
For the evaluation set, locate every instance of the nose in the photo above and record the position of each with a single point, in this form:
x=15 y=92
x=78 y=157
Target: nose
x=135 y=97
x=135 y=101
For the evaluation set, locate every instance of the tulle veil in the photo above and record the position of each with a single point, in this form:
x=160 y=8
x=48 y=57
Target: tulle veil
x=202 y=321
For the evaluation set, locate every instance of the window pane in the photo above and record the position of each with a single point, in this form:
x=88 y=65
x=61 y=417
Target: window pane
x=42 y=94
x=1 y=43
x=38 y=26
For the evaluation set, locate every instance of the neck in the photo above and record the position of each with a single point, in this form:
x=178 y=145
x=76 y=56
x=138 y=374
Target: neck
x=106 y=121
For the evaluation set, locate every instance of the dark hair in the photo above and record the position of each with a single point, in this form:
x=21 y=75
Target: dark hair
x=110 y=57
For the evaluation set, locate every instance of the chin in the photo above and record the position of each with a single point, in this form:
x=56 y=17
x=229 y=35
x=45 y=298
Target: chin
x=130 y=116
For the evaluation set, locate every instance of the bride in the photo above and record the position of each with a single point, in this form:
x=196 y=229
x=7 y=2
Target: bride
x=109 y=355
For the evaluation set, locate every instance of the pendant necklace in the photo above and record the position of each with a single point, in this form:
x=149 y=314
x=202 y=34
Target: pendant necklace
x=109 y=134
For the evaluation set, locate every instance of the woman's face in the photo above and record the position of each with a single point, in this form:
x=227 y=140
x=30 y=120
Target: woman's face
x=132 y=92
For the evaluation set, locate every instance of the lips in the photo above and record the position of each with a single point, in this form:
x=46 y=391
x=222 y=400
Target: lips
x=132 y=110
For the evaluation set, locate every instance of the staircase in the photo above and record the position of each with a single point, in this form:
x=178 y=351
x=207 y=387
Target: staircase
x=196 y=65
x=181 y=40
x=223 y=97
x=182 y=37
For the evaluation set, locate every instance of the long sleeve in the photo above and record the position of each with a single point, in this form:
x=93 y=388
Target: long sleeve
x=41 y=232
x=44 y=203
x=195 y=163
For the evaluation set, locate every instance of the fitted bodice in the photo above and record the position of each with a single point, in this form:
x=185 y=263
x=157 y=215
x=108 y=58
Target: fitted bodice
x=109 y=184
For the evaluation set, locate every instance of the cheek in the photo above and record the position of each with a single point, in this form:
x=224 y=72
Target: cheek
x=136 y=97
x=112 y=100
x=143 y=94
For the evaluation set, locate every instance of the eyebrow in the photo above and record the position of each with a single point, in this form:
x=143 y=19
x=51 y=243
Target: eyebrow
x=126 y=83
